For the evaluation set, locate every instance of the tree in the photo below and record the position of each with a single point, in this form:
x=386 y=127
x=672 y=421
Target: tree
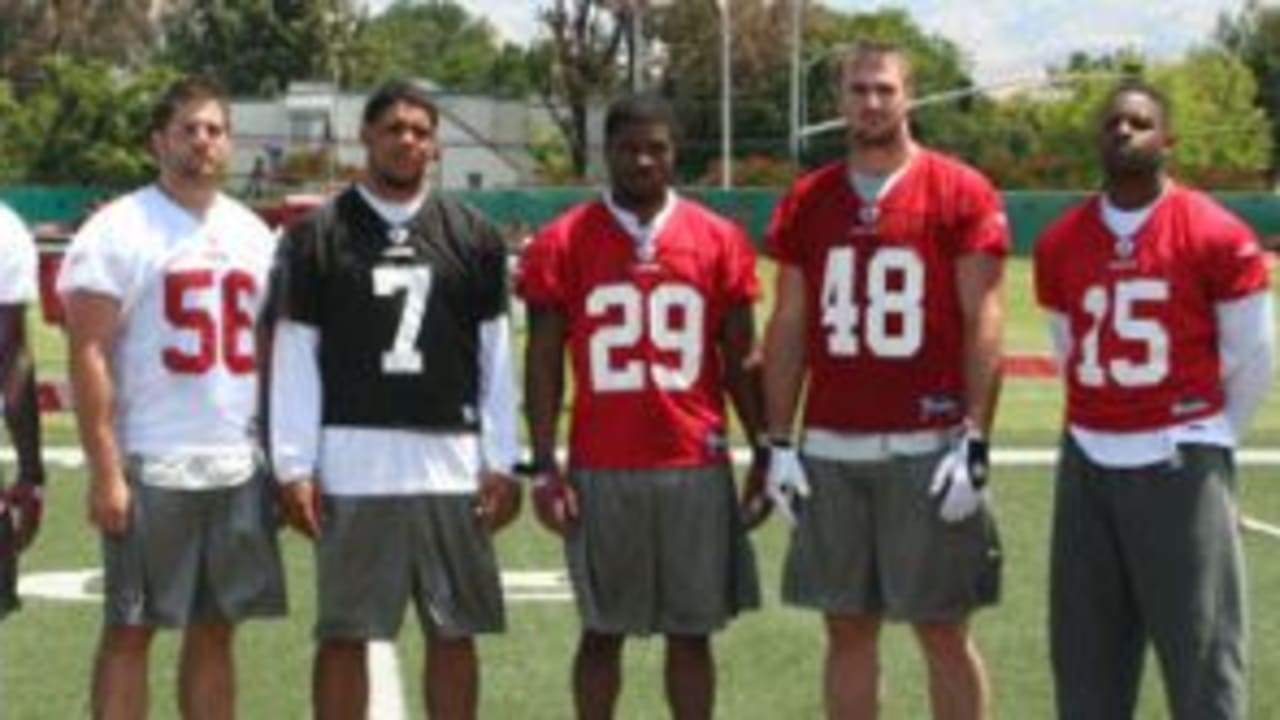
x=256 y=47
x=122 y=32
x=83 y=123
x=1253 y=35
x=582 y=53
x=441 y=41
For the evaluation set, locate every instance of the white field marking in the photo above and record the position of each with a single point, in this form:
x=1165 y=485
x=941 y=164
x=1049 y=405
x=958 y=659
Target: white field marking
x=386 y=689
x=1259 y=526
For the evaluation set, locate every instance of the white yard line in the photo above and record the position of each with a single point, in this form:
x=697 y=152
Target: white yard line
x=386 y=691
x=1261 y=527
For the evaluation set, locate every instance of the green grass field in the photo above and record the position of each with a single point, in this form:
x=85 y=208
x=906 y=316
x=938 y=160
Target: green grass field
x=769 y=660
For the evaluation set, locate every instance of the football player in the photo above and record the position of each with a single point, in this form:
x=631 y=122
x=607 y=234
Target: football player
x=393 y=415
x=1161 y=317
x=21 y=505
x=161 y=289
x=652 y=294
x=888 y=306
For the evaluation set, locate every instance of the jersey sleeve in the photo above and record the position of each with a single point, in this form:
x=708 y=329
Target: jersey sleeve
x=983 y=226
x=97 y=261
x=741 y=282
x=492 y=298
x=1237 y=265
x=781 y=239
x=17 y=260
x=295 y=275
x=540 y=278
x=1047 y=293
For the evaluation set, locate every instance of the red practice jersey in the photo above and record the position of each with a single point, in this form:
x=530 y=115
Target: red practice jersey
x=885 y=335
x=1144 y=343
x=643 y=333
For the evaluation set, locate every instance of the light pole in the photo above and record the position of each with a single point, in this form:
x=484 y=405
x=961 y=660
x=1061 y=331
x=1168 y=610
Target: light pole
x=797 y=77
x=726 y=93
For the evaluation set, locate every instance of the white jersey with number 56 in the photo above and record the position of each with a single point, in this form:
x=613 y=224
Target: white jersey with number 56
x=189 y=289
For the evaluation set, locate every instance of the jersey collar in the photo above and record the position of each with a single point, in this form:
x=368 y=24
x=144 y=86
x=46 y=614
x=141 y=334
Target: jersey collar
x=643 y=237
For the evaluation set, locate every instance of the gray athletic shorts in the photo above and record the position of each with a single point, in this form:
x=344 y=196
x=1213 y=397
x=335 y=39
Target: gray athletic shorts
x=8 y=566
x=869 y=542
x=194 y=556
x=1149 y=554
x=659 y=551
x=376 y=552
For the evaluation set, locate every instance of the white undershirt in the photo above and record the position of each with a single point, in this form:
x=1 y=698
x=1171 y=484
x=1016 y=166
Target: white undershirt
x=376 y=461
x=642 y=235
x=1246 y=345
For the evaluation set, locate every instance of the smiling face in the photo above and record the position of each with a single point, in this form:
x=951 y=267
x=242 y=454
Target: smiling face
x=875 y=98
x=400 y=144
x=641 y=159
x=1133 y=137
x=192 y=148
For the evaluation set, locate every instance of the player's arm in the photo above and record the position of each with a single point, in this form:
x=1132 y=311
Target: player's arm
x=554 y=499
x=745 y=385
x=784 y=352
x=979 y=281
x=294 y=393
x=22 y=418
x=1246 y=345
x=499 y=496
x=92 y=322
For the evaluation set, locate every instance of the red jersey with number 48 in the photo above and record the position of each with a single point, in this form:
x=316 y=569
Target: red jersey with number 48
x=642 y=333
x=1144 y=344
x=885 y=336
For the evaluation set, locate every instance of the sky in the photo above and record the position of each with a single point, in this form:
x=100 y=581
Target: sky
x=1004 y=39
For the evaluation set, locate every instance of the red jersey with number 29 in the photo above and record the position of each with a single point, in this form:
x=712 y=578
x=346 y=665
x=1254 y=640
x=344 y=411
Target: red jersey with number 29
x=885 y=335
x=643 y=334
x=1144 y=344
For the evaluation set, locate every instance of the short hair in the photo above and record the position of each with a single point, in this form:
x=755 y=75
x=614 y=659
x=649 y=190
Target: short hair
x=1138 y=86
x=395 y=91
x=868 y=47
x=191 y=88
x=646 y=107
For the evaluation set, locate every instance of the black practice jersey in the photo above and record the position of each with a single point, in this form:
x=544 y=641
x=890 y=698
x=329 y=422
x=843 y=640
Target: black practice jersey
x=398 y=309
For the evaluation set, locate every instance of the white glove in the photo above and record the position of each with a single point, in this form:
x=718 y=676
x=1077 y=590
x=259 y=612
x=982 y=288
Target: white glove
x=960 y=479
x=786 y=483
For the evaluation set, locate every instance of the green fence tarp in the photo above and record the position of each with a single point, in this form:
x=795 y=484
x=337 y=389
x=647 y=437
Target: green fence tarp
x=523 y=210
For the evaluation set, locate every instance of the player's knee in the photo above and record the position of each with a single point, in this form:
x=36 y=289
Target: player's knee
x=944 y=642
x=127 y=639
x=210 y=634
x=853 y=632
x=599 y=646
x=451 y=649
x=689 y=645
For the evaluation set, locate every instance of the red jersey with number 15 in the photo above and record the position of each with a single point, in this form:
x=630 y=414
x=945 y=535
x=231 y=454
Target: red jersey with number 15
x=1144 y=343
x=642 y=333
x=885 y=336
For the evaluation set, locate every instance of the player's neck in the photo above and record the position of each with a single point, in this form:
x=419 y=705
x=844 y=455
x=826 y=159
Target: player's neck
x=1131 y=192
x=394 y=193
x=644 y=208
x=195 y=197
x=881 y=159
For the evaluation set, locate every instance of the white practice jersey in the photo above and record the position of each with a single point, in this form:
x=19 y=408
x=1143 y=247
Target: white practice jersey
x=190 y=290
x=17 y=260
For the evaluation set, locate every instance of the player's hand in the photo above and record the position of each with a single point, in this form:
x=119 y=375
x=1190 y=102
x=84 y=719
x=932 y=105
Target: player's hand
x=25 y=501
x=497 y=500
x=787 y=484
x=300 y=500
x=109 y=501
x=555 y=502
x=959 y=481
x=754 y=506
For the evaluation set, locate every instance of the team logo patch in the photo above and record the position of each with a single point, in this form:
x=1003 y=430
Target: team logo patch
x=1189 y=406
x=868 y=214
x=1125 y=247
x=936 y=406
x=398 y=235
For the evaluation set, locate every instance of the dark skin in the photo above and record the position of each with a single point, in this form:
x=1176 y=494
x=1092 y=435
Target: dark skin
x=22 y=420
x=1134 y=142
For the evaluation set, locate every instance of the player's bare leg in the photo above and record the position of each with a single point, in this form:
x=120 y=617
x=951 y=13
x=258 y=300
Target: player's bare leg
x=958 y=688
x=120 y=673
x=206 y=674
x=340 y=681
x=451 y=678
x=597 y=675
x=852 y=680
x=690 y=677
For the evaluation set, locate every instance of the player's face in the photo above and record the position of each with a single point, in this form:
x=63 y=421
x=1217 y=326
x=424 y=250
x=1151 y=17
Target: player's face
x=641 y=158
x=400 y=144
x=875 y=100
x=195 y=145
x=1133 y=139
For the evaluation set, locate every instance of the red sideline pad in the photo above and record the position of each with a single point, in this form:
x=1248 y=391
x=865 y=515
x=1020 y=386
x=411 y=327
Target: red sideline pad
x=55 y=395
